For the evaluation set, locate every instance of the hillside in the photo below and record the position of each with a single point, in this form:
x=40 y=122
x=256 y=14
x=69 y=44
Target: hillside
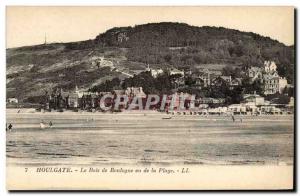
x=122 y=52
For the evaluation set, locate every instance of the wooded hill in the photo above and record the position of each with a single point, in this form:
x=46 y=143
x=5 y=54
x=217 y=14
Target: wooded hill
x=33 y=69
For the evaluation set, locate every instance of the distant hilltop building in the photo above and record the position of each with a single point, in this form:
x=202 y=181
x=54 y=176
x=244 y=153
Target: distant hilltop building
x=122 y=36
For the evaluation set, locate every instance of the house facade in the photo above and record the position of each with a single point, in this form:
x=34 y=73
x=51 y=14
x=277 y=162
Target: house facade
x=274 y=84
x=257 y=100
x=154 y=72
x=268 y=77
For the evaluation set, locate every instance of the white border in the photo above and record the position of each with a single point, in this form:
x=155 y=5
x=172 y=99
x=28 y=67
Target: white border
x=154 y=2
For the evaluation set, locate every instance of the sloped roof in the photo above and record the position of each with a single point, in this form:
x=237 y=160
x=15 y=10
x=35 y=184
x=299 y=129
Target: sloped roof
x=225 y=77
x=119 y=92
x=239 y=80
x=73 y=95
x=270 y=76
x=247 y=96
x=256 y=69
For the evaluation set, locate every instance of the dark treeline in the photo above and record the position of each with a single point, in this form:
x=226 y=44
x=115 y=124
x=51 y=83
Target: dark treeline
x=162 y=45
x=163 y=84
x=160 y=85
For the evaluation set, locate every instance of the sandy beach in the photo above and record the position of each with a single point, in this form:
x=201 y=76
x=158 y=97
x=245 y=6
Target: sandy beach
x=141 y=138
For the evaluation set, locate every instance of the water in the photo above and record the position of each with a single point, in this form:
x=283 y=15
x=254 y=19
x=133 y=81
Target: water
x=89 y=139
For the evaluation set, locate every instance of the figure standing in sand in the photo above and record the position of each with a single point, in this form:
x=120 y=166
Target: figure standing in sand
x=50 y=124
x=10 y=127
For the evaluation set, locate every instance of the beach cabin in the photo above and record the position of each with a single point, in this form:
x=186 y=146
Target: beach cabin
x=254 y=98
x=270 y=109
x=252 y=109
x=218 y=110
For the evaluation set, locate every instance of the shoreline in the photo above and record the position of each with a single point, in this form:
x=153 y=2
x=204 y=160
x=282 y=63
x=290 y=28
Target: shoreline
x=130 y=112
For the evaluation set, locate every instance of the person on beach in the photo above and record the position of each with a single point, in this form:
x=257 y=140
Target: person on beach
x=232 y=118
x=50 y=124
x=10 y=127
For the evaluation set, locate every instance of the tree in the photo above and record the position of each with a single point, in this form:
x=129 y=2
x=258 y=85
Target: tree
x=251 y=87
x=189 y=81
x=168 y=58
x=107 y=86
x=229 y=70
x=278 y=98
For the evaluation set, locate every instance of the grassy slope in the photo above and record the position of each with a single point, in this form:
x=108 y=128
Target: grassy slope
x=32 y=70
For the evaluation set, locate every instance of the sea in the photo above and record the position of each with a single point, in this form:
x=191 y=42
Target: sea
x=149 y=138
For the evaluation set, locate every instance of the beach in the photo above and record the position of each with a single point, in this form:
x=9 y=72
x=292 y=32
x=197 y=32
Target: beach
x=147 y=138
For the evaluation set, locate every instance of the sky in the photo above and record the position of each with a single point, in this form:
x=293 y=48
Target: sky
x=28 y=25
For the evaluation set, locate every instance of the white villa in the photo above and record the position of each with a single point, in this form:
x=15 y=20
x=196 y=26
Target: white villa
x=176 y=71
x=270 y=66
x=269 y=76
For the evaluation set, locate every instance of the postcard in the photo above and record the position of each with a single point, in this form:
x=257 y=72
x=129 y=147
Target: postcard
x=150 y=98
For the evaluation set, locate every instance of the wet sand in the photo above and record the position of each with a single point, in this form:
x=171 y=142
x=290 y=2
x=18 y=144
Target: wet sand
x=144 y=139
